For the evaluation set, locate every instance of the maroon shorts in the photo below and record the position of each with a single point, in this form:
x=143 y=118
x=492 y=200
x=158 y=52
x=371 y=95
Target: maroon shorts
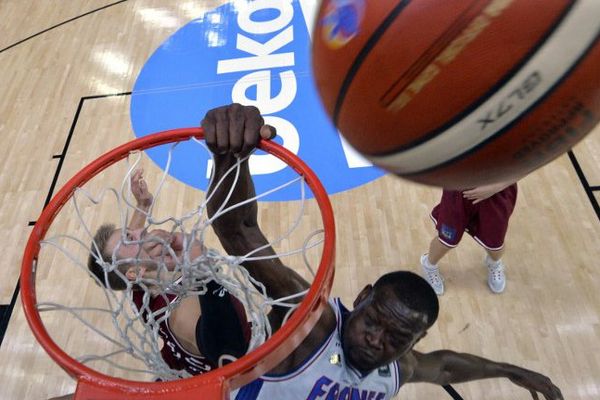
x=486 y=221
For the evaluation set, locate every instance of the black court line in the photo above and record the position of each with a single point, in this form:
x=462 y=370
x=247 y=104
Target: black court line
x=7 y=310
x=62 y=23
x=62 y=155
x=589 y=190
x=103 y=96
x=453 y=393
x=4 y=318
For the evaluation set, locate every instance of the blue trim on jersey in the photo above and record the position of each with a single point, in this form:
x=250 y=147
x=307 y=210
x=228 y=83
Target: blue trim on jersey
x=396 y=364
x=343 y=313
x=250 y=391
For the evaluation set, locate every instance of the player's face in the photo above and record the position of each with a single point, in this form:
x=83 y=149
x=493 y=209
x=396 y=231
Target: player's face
x=159 y=247
x=128 y=248
x=381 y=329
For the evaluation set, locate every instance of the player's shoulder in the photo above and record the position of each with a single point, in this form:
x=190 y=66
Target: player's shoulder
x=407 y=365
x=325 y=327
x=316 y=339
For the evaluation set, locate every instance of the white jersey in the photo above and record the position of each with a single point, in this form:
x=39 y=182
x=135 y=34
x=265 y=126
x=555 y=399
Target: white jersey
x=325 y=375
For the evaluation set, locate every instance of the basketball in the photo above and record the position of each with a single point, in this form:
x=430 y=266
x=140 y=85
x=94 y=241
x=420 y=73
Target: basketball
x=459 y=93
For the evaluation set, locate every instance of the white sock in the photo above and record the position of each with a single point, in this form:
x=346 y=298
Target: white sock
x=428 y=263
x=492 y=263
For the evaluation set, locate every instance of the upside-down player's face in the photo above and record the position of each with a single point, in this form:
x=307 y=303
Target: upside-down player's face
x=381 y=329
x=154 y=248
x=126 y=243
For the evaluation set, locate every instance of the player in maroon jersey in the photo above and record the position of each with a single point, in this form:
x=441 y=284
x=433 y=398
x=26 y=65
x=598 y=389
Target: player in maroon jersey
x=178 y=331
x=482 y=212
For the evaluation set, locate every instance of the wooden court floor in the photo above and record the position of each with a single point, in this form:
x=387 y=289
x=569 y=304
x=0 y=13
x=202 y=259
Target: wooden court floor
x=67 y=70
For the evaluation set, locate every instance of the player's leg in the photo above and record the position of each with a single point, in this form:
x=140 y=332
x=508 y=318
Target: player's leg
x=496 y=270
x=437 y=250
x=494 y=255
x=429 y=262
x=490 y=232
x=450 y=218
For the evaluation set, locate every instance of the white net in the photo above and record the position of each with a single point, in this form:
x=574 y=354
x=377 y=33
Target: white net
x=121 y=332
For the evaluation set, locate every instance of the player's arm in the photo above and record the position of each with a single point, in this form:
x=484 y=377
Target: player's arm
x=143 y=198
x=483 y=192
x=445 y=367
x=231 y=132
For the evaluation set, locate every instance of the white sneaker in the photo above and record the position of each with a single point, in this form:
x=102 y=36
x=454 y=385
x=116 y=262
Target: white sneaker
x=432 y=275
x=496 y=276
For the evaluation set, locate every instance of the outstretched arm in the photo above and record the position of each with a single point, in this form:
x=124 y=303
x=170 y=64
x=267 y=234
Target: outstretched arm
x=446 y=367
x=230 y=132
x=143 y=197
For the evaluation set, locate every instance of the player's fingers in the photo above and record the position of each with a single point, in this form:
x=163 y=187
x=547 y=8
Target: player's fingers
x=155 y=241
x=236 y=128
x=557 y=393
x=152 y=240
x=150 y=248
x=177 y=241
x=144 y=193
x=136 y=175
x=135 y=185
x=253 y=122
x=222 y=130
x=155 y=251
x=533 y=394
x=159 y=233
x=268 y=132
x=209 y=125
x=548 y=397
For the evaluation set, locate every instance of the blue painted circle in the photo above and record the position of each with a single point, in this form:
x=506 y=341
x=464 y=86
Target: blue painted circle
x=199 y=66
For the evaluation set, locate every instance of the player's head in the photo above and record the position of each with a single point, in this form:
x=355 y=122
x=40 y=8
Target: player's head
x=109 y=241
x=389 y=318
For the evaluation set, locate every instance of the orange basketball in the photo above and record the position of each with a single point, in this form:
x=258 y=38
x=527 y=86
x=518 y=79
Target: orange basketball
x=459 y=93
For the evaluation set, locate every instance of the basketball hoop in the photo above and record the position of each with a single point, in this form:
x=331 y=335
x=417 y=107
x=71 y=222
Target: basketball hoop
x=213 y=385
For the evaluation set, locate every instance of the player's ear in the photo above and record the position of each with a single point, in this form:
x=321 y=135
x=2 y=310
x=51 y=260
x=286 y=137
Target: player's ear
x=130 y=273
x=363 y=295
x=133 y=272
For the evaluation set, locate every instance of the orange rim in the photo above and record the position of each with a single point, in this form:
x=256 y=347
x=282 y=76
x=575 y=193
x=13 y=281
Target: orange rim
x=231 y=376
